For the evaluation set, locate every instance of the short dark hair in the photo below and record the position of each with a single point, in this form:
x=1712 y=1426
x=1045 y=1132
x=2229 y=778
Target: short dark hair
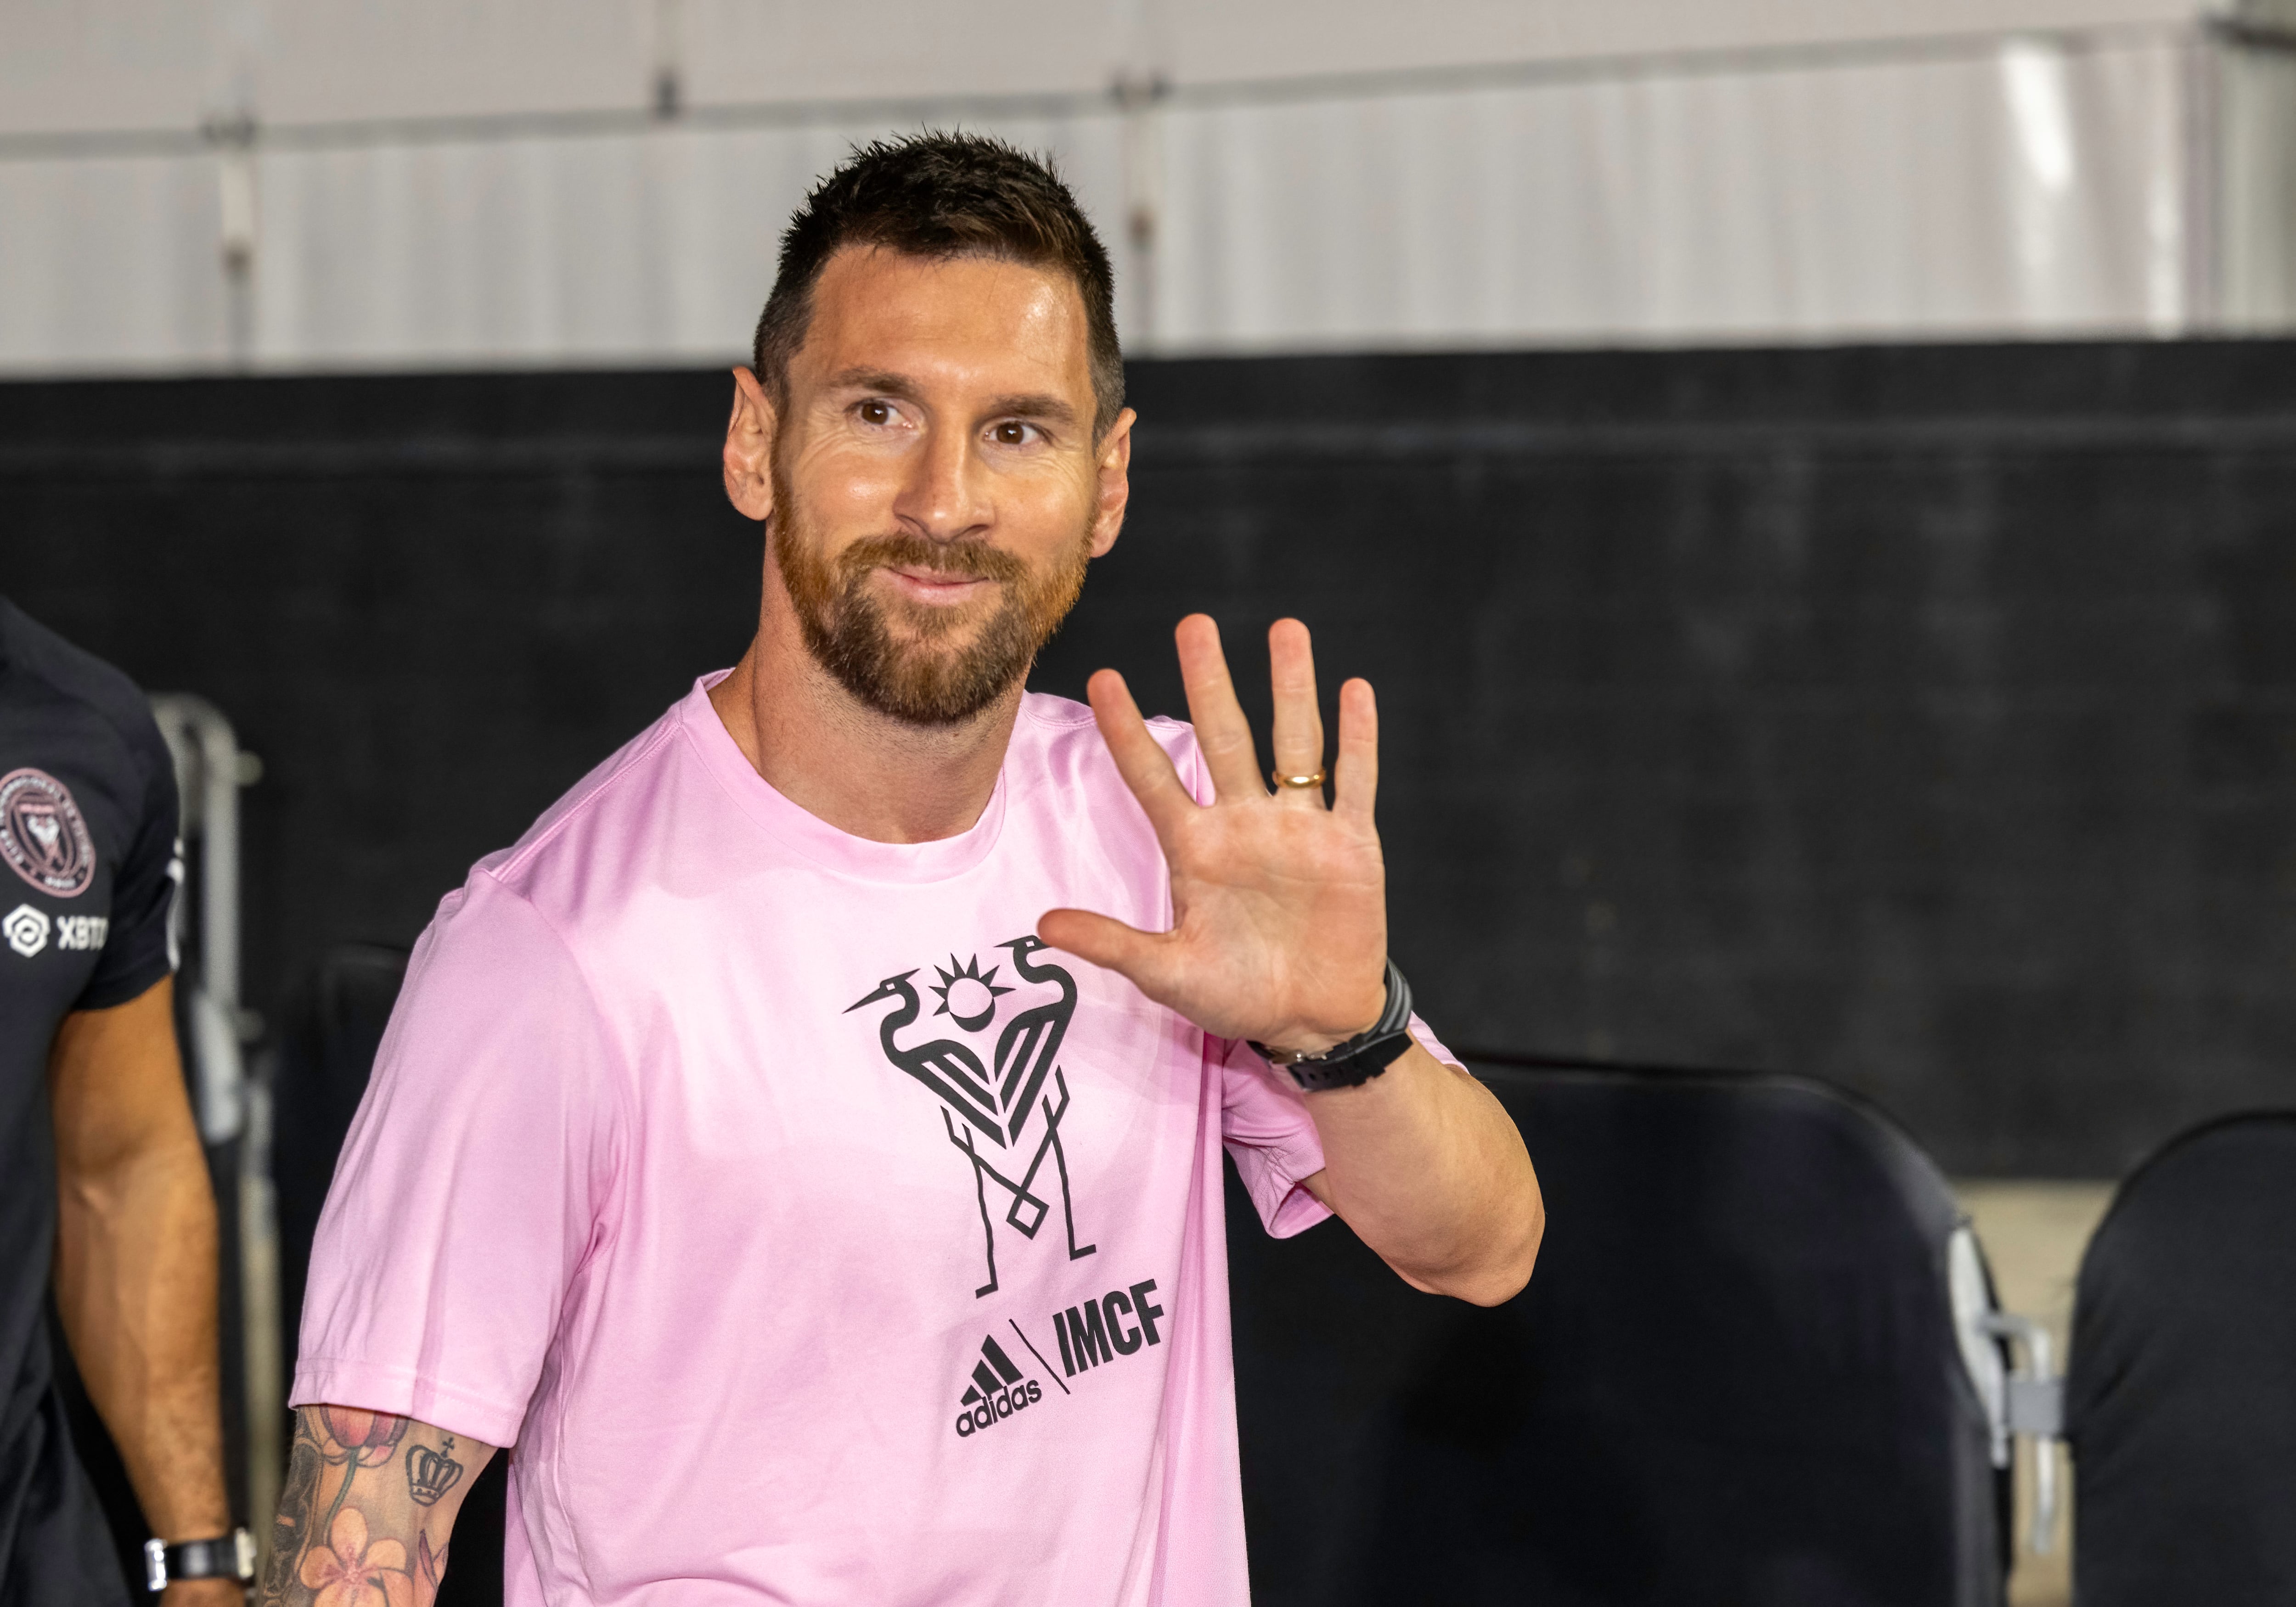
x=939 y=196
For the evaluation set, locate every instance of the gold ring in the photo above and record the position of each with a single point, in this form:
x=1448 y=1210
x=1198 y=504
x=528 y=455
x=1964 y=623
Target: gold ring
x=1301 y=781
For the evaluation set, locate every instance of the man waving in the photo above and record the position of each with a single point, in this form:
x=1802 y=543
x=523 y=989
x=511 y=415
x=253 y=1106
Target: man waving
x=804 y=1144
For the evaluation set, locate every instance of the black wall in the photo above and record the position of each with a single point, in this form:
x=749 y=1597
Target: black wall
x=1923 y=719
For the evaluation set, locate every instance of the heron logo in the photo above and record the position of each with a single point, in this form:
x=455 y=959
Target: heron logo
x=988 y=1104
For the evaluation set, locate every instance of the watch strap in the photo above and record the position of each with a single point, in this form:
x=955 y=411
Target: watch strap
x=230 y=1557
x=1360 y=1058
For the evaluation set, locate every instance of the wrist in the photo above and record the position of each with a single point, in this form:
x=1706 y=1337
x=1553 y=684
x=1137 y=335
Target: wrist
x=218 y=1527
x=1308 y=1045
x=1355 y=1059
x=1304 y=1046
x=200 y=1568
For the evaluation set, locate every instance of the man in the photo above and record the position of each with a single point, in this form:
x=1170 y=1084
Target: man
x=102 y=1177
x=805 y=1143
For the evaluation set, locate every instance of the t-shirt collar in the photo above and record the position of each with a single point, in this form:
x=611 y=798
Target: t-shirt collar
x=815 y=838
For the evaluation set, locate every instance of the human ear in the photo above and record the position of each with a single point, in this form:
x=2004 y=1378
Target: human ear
x=748 y=454
x=1113 y=482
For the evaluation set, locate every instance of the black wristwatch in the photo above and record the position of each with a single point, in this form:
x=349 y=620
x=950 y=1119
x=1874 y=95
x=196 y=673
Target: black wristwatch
x=1362 y=1056
x=230 y=1557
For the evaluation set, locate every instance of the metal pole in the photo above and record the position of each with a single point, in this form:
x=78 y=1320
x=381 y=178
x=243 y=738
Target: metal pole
x=210 y=770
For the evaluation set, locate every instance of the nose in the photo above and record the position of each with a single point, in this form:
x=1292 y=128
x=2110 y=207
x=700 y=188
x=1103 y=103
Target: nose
x=944 y=497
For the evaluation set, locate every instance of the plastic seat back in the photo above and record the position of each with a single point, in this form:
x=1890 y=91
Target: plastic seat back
x=2181 y=1392
x=1733 y=1381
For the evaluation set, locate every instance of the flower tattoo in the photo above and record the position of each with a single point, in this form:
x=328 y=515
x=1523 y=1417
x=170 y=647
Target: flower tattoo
x=364 y=1439
x=351 y=1572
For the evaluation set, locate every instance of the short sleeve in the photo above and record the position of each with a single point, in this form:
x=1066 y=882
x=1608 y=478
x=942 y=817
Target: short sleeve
x=472 y=1181
x=138 y=951
x=1270 y=1137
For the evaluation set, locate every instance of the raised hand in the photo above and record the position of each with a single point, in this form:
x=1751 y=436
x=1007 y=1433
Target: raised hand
x=1279 y=904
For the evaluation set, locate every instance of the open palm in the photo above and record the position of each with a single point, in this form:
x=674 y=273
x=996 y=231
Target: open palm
x=1279 y=904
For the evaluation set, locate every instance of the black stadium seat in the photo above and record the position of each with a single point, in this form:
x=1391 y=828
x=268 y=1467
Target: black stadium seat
x=333 y=1026
x=1734 y=1379
x=2181 y=1400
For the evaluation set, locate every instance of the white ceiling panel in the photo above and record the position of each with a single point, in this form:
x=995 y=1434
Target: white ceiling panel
x=341 y=60
x=1210 y=41
x=70 y=65
x=737 y=51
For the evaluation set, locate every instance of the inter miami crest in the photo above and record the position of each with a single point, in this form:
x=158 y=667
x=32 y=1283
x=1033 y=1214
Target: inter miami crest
x=988 y=1108
x=43 y=835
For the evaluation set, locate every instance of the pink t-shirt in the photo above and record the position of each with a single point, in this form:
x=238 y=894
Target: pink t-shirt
x=816 y=1234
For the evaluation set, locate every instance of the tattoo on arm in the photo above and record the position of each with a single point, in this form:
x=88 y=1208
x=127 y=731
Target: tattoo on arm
x=296 y=1502
x=348 y=1529
x=430 y=1474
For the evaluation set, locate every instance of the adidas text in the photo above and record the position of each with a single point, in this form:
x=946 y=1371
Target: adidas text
x=998 y=1406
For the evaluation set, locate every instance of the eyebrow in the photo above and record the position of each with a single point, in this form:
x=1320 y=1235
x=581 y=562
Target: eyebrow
x=1038 y=405
x=883 y=379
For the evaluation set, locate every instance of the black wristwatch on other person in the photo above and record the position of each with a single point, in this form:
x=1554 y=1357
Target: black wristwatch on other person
x=1360 y=1058
x=230 y=1557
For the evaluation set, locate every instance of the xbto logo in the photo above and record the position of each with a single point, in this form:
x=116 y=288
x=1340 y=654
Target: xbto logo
x=26 y=929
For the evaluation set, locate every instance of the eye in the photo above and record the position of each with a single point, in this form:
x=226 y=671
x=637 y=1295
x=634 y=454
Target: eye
x=874 y=412
x=1013 y=432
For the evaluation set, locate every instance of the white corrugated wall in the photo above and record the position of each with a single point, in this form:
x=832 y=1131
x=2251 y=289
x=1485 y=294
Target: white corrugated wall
x=603 y=181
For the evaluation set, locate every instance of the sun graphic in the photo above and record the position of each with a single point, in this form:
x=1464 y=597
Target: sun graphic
x=967 y=997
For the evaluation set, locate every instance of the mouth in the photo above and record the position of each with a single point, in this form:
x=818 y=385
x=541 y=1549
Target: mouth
x=935 y=588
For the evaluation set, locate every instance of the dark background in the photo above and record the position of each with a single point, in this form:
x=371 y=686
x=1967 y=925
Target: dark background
x=1920 y=719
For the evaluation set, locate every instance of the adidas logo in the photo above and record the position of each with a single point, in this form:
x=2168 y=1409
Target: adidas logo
x=998 y=1391
x=985 y=1383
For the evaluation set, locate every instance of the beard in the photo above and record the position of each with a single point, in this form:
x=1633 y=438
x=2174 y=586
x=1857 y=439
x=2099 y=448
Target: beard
x=920 y=675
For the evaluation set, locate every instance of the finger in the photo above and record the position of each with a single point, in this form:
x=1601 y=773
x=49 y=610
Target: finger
x=1299 y=744
x=1140 y=759
x=1357 y=782
x=1222 y=732
x=1139 y=957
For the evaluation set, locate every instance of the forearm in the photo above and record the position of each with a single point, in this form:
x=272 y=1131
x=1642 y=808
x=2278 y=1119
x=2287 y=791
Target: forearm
x=368 y=1509
x=136 y=1286
x=1427 y=1168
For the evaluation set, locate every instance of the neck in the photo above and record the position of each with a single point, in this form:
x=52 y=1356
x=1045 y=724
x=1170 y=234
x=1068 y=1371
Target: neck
x=862 y=771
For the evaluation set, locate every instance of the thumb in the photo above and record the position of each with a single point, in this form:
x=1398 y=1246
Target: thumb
x=1136 y=956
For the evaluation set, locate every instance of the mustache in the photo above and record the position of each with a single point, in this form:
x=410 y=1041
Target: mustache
x=960 y=559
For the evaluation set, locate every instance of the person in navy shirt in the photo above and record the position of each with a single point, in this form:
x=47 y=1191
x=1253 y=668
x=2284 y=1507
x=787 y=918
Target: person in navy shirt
x=104 y=1187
